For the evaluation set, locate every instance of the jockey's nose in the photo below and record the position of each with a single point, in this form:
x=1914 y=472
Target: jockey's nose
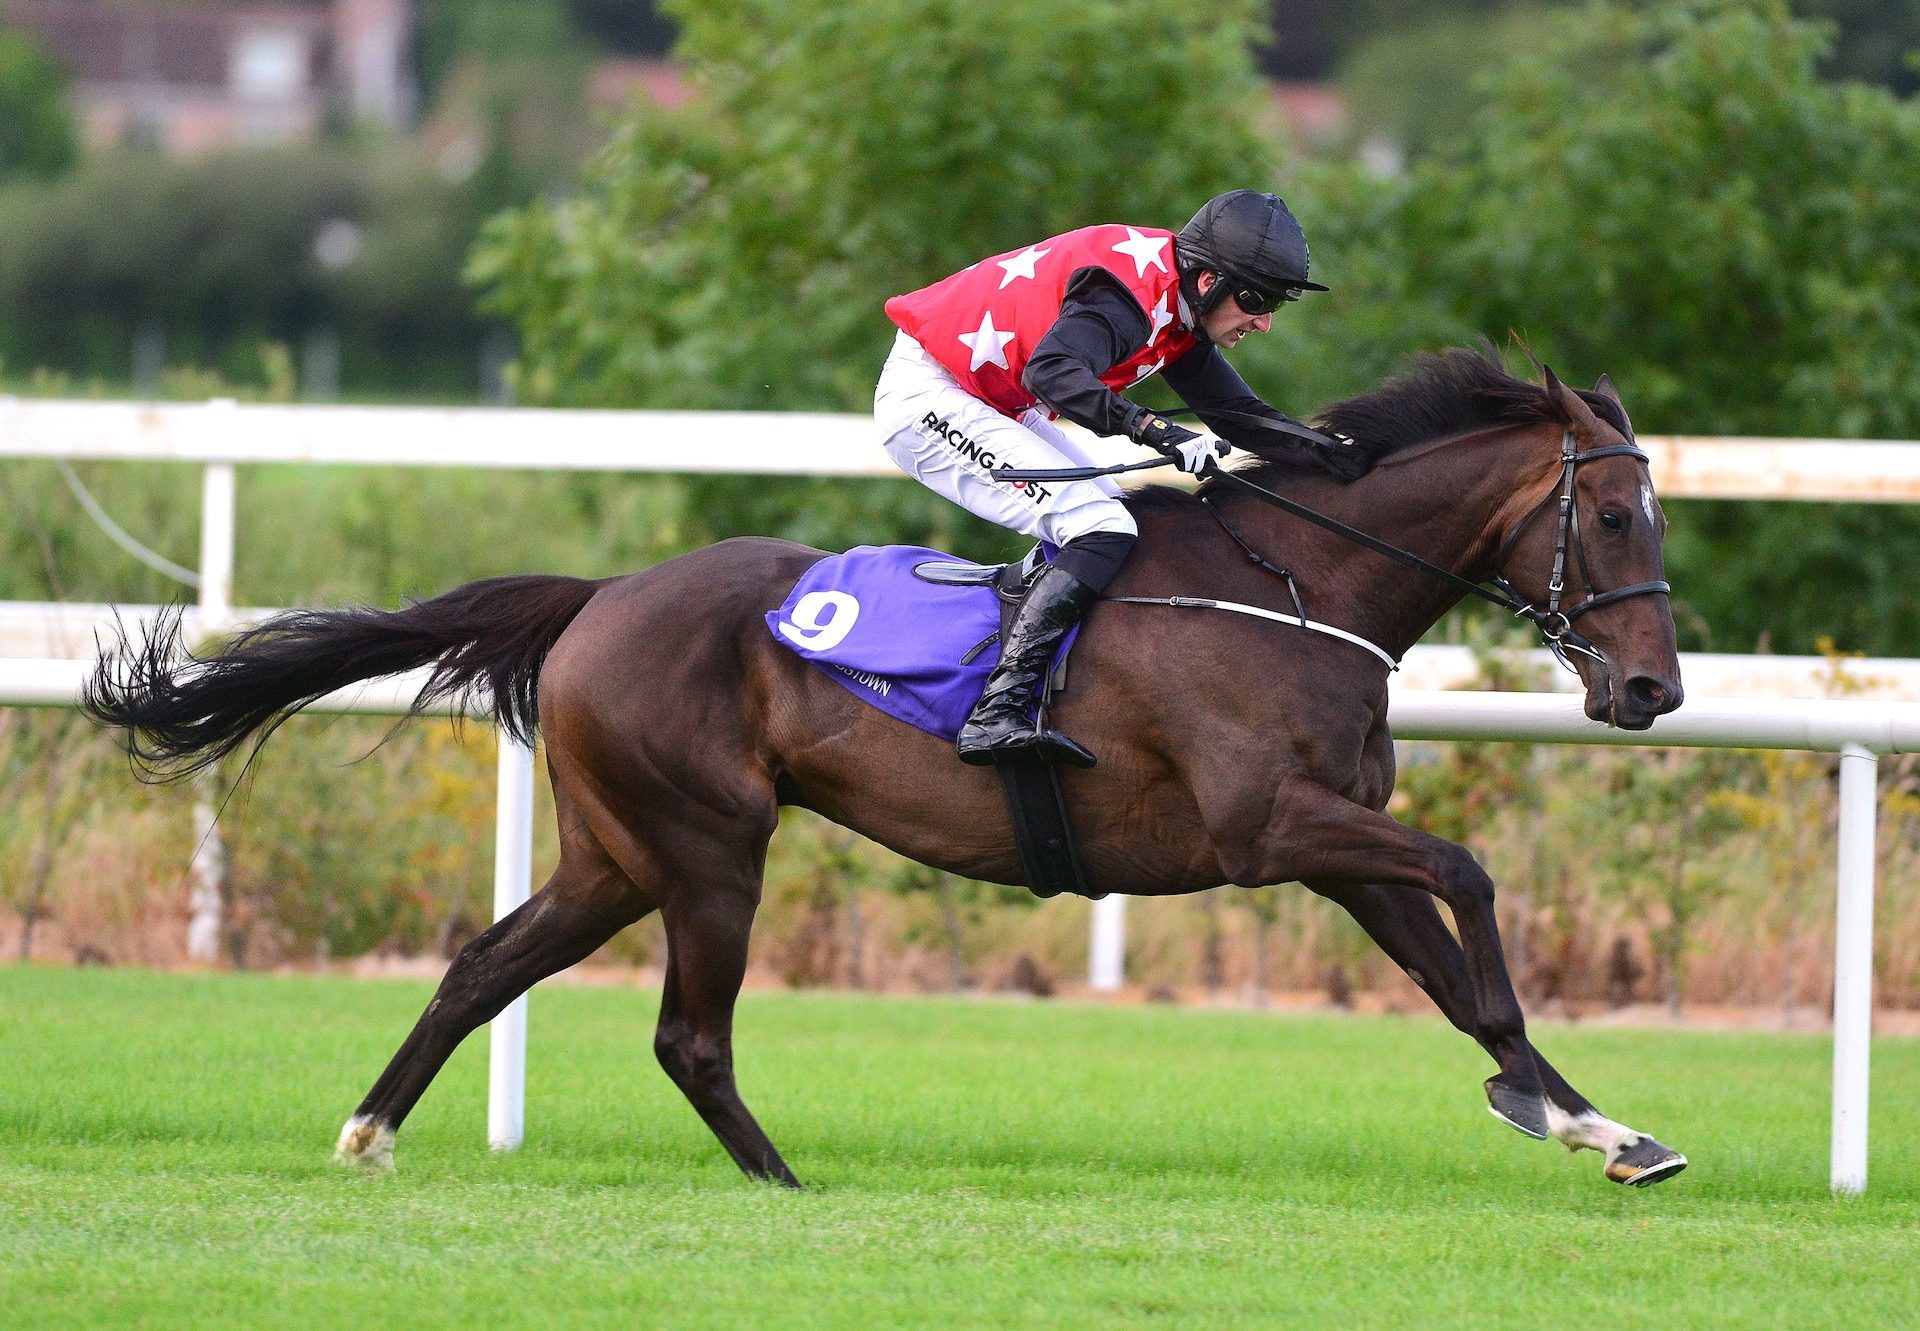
x=1262 y=322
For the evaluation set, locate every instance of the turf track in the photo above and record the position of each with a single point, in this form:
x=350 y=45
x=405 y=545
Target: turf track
x=164 y=1139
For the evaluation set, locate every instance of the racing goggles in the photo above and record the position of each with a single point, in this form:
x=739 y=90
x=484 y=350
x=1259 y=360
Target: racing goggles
x=1256 y=300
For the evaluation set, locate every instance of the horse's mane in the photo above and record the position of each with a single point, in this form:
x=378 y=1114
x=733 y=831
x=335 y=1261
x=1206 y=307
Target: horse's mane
x=1439 y=394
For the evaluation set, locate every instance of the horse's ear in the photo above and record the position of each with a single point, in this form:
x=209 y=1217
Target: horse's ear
x=1569 y=406
x=1606 y=390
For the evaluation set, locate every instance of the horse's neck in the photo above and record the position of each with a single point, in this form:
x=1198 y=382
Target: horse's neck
x=1448 y=503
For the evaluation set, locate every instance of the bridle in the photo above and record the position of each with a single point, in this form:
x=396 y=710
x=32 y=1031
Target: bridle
x=1555 y=622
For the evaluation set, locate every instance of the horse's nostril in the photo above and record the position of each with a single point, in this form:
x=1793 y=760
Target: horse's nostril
x=1646 y=693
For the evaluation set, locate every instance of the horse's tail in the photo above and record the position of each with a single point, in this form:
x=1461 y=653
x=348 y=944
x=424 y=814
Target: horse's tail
x=184 y=713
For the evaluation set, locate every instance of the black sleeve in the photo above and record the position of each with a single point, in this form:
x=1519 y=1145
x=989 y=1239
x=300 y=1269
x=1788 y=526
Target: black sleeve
x=1205 y=382
x=1100 y=324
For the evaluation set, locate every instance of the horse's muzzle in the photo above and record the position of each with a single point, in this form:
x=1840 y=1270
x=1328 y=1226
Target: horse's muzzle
x=1636 y=705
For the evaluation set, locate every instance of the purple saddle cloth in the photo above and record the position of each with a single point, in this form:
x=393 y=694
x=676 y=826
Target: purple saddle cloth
x=891 y=639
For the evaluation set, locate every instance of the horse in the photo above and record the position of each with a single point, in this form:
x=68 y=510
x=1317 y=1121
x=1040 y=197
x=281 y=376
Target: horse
x=1231 y=749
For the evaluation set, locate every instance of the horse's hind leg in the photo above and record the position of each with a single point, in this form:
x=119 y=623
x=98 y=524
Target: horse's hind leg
x=586 y=902
x=706 y=960
x=1406 y=924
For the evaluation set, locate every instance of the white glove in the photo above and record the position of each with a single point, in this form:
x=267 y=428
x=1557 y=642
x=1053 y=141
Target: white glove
x=1195 y=453
x=1199 y=454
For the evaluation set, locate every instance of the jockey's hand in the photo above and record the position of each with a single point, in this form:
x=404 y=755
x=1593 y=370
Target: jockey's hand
x=1344 y=457
x=1196 y=453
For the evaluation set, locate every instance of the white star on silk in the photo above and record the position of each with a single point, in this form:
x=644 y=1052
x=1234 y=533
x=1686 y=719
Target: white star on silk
x=1152 y=367
x=1145 y=251
x=988 y=345
x=1021 y=265
x=1162 y=316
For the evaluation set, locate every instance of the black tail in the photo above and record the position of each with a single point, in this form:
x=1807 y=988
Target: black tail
x=183 y=713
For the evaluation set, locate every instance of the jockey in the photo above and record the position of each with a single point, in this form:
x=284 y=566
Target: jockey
x=986 y=359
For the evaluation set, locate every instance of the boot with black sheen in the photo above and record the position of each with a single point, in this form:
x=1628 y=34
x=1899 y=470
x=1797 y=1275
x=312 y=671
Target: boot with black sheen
x=1002 y=728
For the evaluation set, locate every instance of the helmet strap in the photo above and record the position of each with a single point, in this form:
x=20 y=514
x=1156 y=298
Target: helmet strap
x=1201 y=305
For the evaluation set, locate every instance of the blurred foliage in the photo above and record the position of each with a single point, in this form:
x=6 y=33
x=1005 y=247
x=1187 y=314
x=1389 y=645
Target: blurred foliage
x=49 y=762
x=333 y=535
x=220 y=254
x=1876 y=41
x=632 y=27
x=450 y=33
x=503 y=85
x=1414 y=82
x=37 y=135
x=735 y=252
x=1672 y=811
x=1412 y=77
x=357 y=836
x=1671 y=195
x=1677 y=197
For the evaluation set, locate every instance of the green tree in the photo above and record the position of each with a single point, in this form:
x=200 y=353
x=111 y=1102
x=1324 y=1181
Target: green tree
x=736 y=252
x=1674 y=195
x=36 y=126
x=225 y=252
x=1412 y=83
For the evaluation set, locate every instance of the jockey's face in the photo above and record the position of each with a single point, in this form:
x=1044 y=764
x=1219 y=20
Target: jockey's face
x=1226 y=323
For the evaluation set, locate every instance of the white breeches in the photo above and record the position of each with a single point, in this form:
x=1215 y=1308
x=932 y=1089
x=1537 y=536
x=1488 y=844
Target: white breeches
x=949 y=440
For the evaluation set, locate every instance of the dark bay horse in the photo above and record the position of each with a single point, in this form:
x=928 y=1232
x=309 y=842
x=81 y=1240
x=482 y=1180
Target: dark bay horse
x=1232 y=749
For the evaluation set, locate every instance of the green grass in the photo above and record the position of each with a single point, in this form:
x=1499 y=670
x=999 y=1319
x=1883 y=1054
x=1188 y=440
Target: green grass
x=164 y=1143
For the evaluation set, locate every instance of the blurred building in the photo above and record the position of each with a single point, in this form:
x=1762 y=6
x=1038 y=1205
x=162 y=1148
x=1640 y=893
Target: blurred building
x=191 y=77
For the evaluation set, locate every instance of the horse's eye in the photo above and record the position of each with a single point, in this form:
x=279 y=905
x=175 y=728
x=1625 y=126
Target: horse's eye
x=1613 y=521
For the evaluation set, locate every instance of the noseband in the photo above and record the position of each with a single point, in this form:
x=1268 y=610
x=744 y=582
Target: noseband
x=1556 y=624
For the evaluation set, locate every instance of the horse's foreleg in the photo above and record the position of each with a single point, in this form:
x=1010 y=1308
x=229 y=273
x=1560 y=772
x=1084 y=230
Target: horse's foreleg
x=1408 y=928
x=580 y=908
x=1314 y=834
x=706 y=961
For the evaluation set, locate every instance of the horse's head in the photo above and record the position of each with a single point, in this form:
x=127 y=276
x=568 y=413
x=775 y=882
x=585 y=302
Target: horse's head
x=1608 y=547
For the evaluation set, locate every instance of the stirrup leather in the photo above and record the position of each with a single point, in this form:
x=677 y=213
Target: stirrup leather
x=1002 y=727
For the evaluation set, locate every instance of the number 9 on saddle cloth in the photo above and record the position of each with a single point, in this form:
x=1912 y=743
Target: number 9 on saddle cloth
x=914 y=647
x=906 y=629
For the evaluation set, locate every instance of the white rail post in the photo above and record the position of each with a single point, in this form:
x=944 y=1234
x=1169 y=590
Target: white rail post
x=216 y=545
x=1107 y=952
x=216 y=610
x=1853 y=968
x=512 y=884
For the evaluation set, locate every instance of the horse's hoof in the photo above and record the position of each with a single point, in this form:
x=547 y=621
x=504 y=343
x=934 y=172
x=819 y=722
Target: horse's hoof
x=1644 y=1162
x=365 y=1144
x=1523 y=1111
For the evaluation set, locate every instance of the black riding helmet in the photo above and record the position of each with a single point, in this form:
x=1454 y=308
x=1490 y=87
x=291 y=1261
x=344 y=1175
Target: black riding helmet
x=1251 y=241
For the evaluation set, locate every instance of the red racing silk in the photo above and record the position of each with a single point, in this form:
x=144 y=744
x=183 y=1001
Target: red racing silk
x=984 y=322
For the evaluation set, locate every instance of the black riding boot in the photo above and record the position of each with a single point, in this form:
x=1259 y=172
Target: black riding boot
x=1002 y=728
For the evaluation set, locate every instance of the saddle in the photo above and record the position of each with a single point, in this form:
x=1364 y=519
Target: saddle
x=1009 y=583
x=1035 y=806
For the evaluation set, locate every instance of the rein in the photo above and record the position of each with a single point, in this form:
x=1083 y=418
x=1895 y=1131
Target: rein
x=1554 y=623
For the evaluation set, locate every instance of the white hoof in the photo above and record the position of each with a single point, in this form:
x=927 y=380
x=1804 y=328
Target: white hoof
x=365 y=1144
